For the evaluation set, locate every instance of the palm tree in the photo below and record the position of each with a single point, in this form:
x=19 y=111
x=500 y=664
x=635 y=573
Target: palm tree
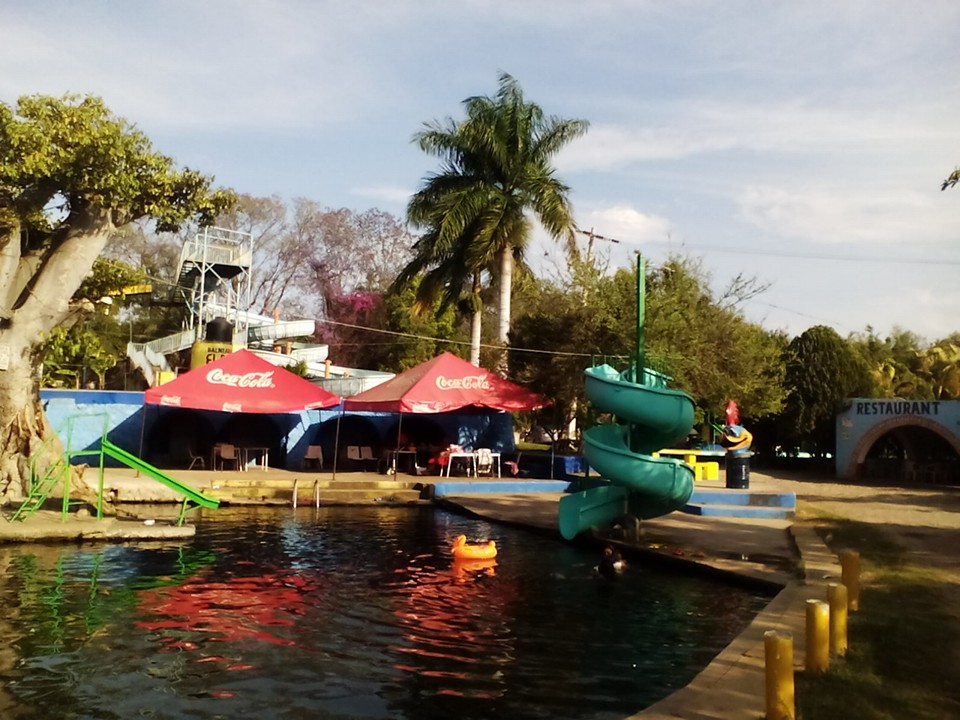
x=496 y=168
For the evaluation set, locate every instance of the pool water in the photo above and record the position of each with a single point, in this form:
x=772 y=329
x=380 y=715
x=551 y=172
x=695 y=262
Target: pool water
x=348 y=613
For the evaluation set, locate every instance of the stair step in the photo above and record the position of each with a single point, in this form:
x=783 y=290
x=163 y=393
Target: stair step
x=744 y=497
x=285 y=484
x=353 y=497
x=735 y=510
x=281 y=496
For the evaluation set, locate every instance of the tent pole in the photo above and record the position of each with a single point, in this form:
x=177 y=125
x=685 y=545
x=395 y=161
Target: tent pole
x=336 y=441
x=143 y=424
x=396 y=455
x=556 y=439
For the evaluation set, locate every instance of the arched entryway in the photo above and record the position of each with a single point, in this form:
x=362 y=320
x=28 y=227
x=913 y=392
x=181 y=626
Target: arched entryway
x=907 y=449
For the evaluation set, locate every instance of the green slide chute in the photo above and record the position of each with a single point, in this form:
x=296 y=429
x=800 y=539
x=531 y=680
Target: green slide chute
x=190 y=495
x=640 y=485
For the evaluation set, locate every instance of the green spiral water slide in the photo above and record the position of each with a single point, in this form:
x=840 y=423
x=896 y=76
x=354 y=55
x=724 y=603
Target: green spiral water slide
x=650 y=417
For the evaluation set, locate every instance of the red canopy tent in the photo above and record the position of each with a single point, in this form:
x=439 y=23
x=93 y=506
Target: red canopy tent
x=444 y=384
x=241 y=382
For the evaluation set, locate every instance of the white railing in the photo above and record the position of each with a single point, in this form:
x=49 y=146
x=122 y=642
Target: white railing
x=172 y=343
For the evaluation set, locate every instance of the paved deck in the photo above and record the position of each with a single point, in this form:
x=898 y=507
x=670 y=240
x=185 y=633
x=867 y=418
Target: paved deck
x=761 y=551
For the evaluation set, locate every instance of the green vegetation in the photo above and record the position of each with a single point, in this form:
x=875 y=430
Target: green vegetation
x=77 y=181
x=901 y=661
x=496 y=169
x=71 y=175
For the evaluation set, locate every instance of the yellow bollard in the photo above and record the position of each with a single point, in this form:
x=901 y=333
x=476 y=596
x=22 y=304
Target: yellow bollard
x=850 y=574
x=778 y=659
x=818 y=636
x=837 y=597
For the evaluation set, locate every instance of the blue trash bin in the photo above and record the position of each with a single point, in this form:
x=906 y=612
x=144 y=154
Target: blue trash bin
x=738 y=470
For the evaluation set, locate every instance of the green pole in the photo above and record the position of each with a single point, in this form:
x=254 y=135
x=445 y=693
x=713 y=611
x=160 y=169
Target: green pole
x=640 y=360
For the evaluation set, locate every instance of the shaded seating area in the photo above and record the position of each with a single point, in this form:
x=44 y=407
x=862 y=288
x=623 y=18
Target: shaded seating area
x=256 y=403
x=445 y=384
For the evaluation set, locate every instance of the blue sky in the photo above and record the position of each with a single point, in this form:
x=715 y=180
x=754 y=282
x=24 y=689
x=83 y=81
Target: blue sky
x=801 y=143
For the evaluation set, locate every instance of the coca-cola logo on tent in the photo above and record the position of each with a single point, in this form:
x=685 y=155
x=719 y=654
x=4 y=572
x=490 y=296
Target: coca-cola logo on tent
x=247 y=380
x=467 y=382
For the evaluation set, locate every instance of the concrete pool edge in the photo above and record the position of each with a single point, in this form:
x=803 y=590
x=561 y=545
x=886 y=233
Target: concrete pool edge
x=732 y=686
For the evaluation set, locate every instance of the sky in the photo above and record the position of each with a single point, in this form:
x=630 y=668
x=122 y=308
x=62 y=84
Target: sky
x=802 y=144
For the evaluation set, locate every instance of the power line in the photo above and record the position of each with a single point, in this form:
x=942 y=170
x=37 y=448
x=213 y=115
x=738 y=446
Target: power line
x=811 y=256
x=454 y=342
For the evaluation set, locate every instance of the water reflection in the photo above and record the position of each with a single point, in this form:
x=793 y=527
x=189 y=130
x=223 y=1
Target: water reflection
x=347 y=613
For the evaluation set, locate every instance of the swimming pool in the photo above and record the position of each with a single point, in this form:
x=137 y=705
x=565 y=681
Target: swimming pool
x=348 y=613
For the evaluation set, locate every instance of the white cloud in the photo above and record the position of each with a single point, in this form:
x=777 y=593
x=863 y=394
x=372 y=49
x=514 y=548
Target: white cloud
x=393 y=195
x=837 y=216
x=611 y=146
x=627 y=225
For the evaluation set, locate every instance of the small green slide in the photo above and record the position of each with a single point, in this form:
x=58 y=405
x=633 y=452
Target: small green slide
x=640 y=485
x=130 y=460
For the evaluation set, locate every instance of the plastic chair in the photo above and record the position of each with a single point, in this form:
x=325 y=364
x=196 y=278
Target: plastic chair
x=514 y=465
x=194 y=459
x=228 y=454
x=366 y=455
x=484 y=462
x=314 y=454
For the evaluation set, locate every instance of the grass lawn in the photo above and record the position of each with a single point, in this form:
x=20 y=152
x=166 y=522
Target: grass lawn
x=903 y=642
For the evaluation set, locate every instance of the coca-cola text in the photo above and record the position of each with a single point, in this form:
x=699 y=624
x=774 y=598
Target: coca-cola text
x=468 y=382
x=247 y=380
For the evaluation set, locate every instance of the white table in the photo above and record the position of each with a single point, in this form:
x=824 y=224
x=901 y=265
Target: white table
x=466 y=455
x=261 y=457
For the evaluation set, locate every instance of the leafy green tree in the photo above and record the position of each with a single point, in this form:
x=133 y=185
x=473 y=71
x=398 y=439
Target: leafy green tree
x=419 y=335
x=939 y=365
x=71 y=173
x=893 y=362
x=496 y=168
x=96 y=341
x=72 y=350
x=704 y=342
x=701 y=341
x=823 y=372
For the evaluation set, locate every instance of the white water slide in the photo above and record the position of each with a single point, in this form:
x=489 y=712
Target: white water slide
x=151 y=357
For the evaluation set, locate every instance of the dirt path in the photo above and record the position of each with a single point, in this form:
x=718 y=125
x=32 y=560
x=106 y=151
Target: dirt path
x=924 y=521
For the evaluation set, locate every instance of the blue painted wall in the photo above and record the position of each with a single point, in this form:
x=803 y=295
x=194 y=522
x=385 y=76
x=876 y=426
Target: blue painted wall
x=81 y=416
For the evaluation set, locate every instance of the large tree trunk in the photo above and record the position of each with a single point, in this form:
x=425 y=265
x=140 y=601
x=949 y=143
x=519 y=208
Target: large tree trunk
x=25 y=435
x=37 y=302
x=475 y=338
x=476 y=318
x=506 y=287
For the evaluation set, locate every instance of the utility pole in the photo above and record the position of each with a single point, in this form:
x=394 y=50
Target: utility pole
x=591 y=236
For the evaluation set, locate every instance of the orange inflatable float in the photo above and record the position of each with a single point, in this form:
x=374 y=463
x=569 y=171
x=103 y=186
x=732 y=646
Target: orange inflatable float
x=473 y=551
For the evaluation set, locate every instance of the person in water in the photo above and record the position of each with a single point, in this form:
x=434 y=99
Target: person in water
x=612 y=563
